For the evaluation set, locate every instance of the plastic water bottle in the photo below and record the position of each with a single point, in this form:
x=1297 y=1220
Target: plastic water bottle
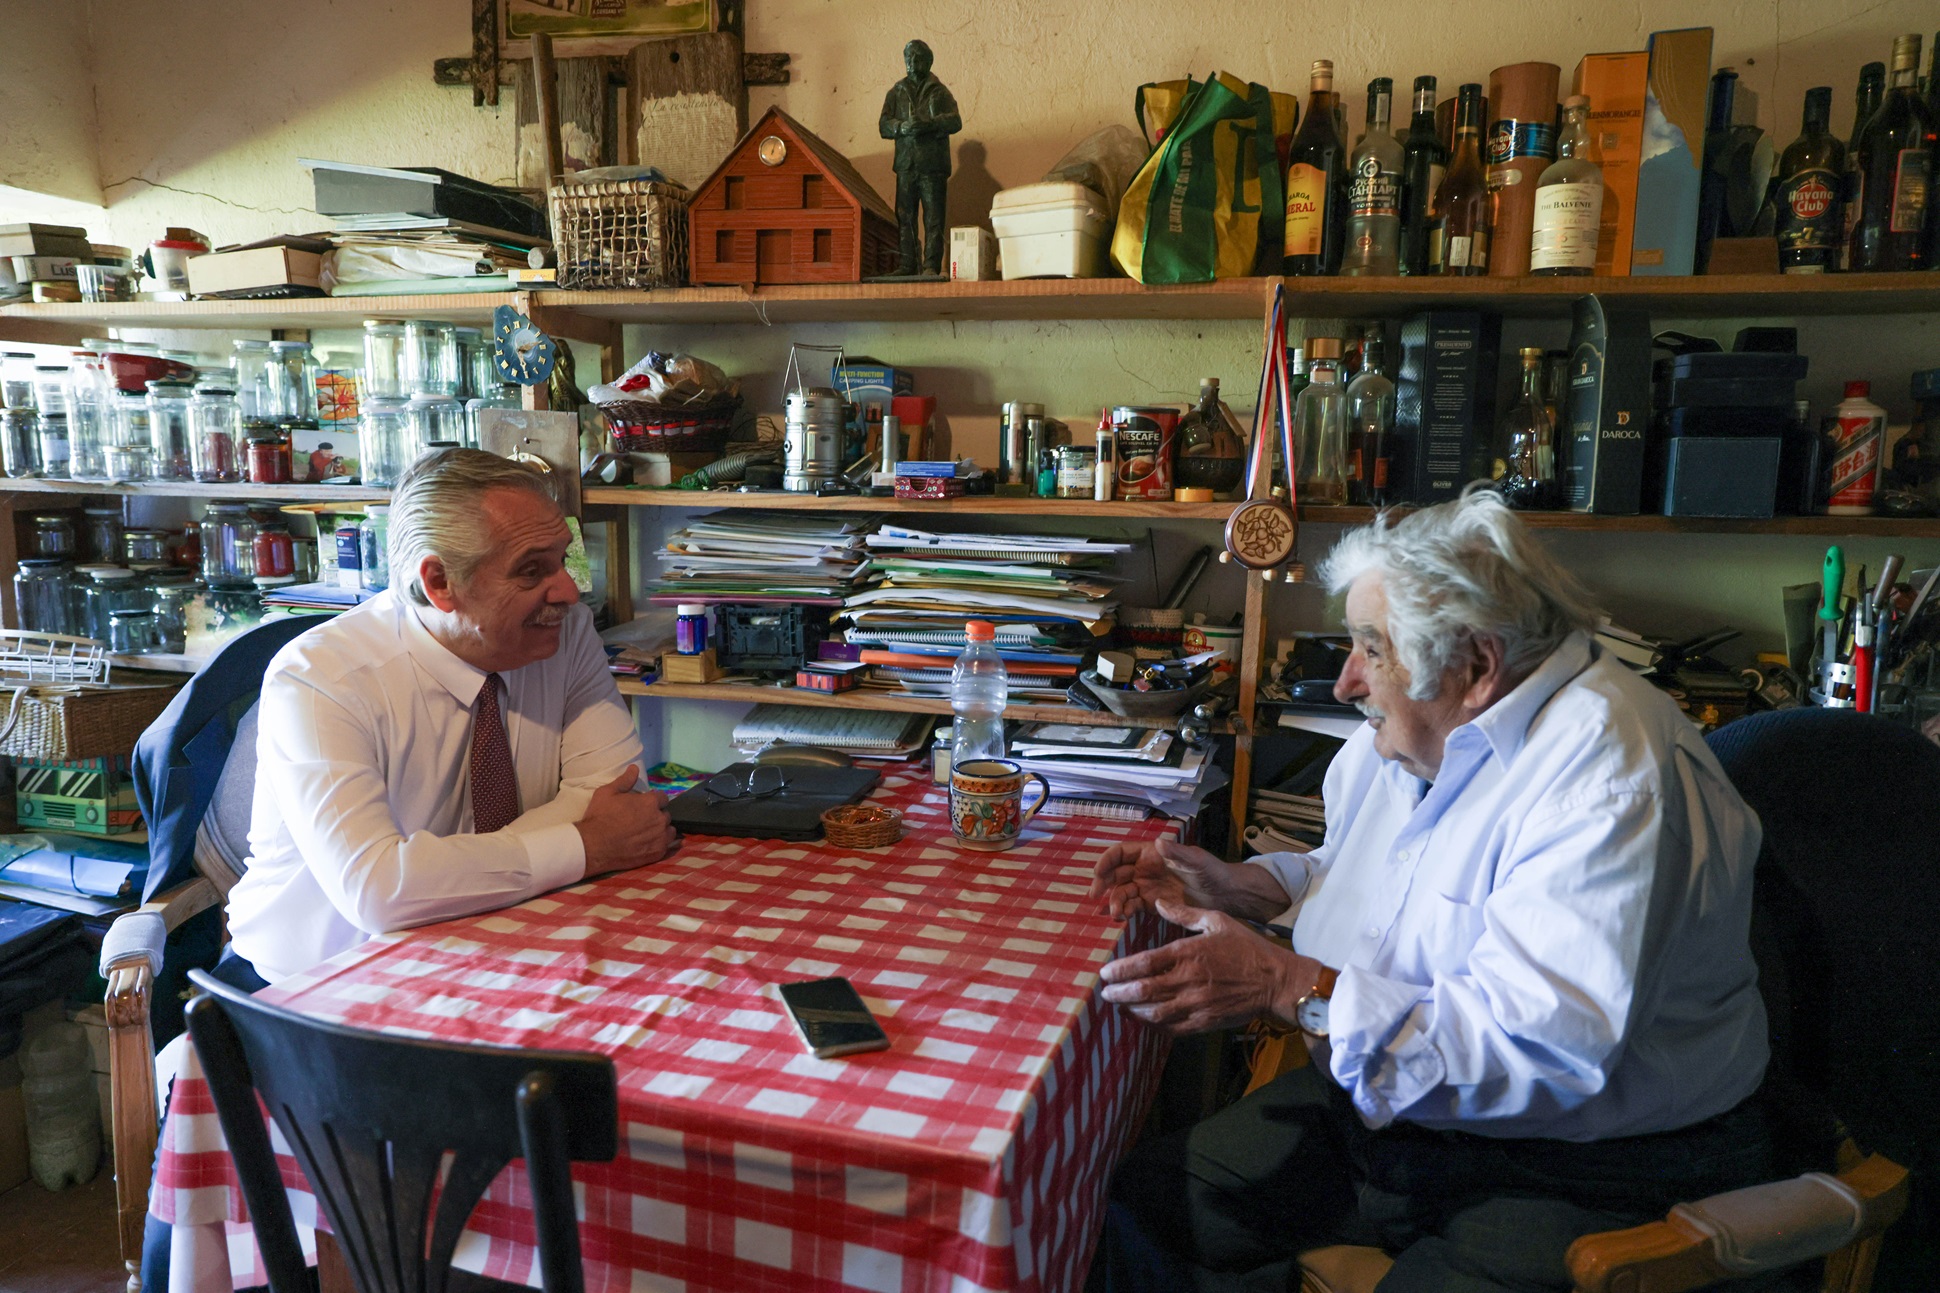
x=978 y=691
x=63 y=1111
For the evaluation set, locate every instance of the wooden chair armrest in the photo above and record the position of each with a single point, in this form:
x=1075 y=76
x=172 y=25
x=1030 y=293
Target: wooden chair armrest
x=1671 y=1256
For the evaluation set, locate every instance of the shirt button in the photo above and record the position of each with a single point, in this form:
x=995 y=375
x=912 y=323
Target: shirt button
x=1403 y=855
x=1374 y=931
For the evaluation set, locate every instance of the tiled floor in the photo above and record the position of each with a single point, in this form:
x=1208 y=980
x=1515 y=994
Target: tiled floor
x=60 y=1243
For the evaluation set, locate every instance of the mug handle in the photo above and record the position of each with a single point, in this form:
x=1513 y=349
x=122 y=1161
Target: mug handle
x=1024 y=818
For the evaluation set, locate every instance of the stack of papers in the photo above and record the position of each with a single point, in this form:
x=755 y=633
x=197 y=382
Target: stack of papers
x=1049 y=596
x=406 y=229
x=316 y=597
x=1143 y=767
x=748 y=556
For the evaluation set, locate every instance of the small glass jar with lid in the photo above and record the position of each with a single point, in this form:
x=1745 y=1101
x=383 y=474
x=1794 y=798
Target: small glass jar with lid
x=430 y=358
x=109 y=589
x=128 y=464
x=495 y=397
x=383 y=435
x=16 y=380
x=384 y=359
x=434 y=420
x=216 y=419
x=87 y=415
x=292 y=380
x=252 y=380
x=53 y=444
x=268 y=457
x=21 y=445
x=171 y=599
x=169 y=431
x=102 y=533
x=41 y=592
x=275 y=551
x=228 y=546
x=373 y=543
x=467 y=345
x=131 y=424
x=133 y=632
x=54 y=535
x=50 y=388
x=145 y=547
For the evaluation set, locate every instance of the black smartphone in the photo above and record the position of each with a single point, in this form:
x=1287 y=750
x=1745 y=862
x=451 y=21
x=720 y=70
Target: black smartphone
x=832 y=1019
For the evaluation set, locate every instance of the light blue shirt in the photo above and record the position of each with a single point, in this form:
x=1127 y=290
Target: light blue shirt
x=1550 y=939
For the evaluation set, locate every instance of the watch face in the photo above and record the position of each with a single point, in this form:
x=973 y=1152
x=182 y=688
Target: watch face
x=1311 y=1015
x=773 y=150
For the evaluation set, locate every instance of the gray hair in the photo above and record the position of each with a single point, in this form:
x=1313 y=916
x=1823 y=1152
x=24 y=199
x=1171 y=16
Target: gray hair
x=1458 y=572
x=436 y=511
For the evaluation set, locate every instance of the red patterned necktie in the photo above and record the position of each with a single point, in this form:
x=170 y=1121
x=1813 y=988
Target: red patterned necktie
x=495 y=792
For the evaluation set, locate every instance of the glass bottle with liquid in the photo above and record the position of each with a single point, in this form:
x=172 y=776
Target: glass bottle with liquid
x=1320 y=421
x=1808 y=210
x=1370 y=434
x=1526 y=442
x=1569 y=201
x=1866 y=99
x=1460 y=244
x=1316 y=184
x=1894 y=172
x=1373 y=239
x=1423 y=159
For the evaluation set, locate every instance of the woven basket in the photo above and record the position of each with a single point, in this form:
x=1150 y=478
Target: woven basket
x=627 y=234
x=77 y=722
x=639 y=426
x=862 y=826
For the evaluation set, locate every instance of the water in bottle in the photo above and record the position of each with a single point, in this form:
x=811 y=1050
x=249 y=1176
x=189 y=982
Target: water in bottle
x=63 y=1112
x=978 y=690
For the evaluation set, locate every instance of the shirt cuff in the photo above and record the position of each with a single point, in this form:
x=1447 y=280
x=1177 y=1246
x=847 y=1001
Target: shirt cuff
x=1290 y=869
x=1381 y=1052
x=555 y=856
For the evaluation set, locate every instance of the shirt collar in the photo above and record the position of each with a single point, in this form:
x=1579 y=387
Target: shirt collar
x=1505 y=724
x=462 y=680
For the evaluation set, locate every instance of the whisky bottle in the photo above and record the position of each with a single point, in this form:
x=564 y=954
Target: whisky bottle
x=1320 y=418
x=1422 y=161
x=1370 y=429
x=1316 y=184
x=1460 y=244
x=1810 y=215
x=1374 y=192
x=1872 y=88
x=1569 y=201
x=1894 y=169
x=1526 y=443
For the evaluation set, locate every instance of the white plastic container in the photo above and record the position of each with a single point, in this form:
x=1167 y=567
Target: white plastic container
x=63 y=1107
x=1051 y=230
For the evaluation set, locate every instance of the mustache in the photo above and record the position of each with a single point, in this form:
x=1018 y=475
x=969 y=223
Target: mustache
x=1368 y=711
x=548 y=619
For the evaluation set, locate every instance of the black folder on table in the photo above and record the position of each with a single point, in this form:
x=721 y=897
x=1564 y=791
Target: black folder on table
x=793 y=813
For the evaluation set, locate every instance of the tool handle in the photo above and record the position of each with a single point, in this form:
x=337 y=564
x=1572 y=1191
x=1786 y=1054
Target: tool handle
x=1834 y=577
x=1888 y=573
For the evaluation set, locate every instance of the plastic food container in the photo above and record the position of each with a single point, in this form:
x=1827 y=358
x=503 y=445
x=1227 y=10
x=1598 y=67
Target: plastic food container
x=1051 y=230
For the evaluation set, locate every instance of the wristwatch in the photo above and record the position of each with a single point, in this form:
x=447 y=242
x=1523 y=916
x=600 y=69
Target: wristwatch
x=1310 y=1012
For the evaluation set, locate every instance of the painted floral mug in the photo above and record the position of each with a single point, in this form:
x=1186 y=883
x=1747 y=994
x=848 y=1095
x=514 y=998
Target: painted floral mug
x=987 y=802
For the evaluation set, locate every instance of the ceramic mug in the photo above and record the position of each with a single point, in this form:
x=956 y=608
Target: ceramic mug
x=987 y=802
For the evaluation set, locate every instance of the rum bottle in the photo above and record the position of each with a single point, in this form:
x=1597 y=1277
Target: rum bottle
x=1316 y=184
x=1872 y=88
x=1460 y=244
x=1320 y=418
x=1569 y=201
x=1810 y=215
x=1422 y=161
x=1894 y=169
x=1527 y=443
x=1374 y=192
x=1370 y=429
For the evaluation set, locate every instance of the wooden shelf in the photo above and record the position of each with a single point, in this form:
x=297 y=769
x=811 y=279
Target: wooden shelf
x=982 y=506
x=1831 y=527
x=73 y=320
x=197 y=489
x=1704 y=296
x=1024 y=298
x=868 y=698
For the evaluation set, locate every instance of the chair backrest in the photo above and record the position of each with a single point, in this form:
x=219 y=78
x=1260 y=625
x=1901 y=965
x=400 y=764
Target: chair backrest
x=1845 y=931
x=370 y=1118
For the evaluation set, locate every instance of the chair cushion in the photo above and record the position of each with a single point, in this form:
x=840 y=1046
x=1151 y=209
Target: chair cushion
x=1342 y=1268
x=1778 y=1224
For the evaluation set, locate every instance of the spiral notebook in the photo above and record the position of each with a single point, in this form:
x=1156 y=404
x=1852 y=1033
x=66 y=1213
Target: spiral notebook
x=871 y=733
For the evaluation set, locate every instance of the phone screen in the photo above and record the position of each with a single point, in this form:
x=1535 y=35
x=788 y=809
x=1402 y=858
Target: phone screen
x=832 y=1019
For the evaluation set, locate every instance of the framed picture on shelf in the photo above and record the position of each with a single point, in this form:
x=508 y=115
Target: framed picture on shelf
x=583 y=28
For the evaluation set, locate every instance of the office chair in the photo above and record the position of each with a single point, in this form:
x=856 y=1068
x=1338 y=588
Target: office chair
x=370 y=1119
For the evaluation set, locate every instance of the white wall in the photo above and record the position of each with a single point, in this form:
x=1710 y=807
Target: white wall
x=47 y=116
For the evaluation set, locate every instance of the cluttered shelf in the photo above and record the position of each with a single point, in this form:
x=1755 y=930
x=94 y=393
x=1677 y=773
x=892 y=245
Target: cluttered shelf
x=872 y=699
x=975 y=506
x=471 y=308
x=1876 y=527
x=200 y=489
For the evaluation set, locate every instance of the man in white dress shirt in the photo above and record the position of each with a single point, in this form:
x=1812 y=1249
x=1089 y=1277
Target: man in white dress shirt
x=1520 y=957
x=453 y=745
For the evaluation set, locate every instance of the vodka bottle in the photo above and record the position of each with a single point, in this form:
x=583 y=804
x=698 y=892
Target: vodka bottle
x=1374 y=192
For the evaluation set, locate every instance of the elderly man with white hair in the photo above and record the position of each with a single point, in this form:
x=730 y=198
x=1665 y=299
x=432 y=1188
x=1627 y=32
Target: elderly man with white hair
x=1520 y=957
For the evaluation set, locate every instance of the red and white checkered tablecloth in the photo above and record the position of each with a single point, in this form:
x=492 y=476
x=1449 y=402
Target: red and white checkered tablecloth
x=971 y=1155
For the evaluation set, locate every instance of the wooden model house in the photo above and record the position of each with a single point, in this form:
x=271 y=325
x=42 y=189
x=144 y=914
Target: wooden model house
x=787 y=208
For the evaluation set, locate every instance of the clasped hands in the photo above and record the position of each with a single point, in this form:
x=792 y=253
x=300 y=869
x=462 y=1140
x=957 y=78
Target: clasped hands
x=1222 y=976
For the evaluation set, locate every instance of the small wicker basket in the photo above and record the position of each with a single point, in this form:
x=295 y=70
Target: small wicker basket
x=623 y=234
x=639 y=426
x=862 y=826
x=77 y=721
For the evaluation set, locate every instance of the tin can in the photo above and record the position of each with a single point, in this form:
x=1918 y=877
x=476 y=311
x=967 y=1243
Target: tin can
x=350 y=561
x=1144 y=436
x=1077 y=471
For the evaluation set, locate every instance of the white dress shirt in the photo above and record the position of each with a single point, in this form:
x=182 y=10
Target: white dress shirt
x=1551 y=938
x=362 y=819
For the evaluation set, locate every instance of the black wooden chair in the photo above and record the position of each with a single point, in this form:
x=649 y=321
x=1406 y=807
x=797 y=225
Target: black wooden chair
x=371 y=1117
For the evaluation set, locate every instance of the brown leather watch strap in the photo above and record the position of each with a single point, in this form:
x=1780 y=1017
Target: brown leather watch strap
x=1324 y=985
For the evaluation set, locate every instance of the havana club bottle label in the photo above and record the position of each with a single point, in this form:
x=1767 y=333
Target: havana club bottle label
x=1809 y=215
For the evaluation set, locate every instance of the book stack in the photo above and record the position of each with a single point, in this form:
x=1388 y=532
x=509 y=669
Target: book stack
x=416 y=229
x=858 y=733
x=1050 y=598
x=40 y=253
x=1092 y=768
x=748 y=556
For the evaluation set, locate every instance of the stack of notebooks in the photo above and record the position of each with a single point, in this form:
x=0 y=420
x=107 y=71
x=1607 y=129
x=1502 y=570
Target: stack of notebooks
x=1112 y=771
x=749 y=556
x=1050 y=598
x=1288 y=816
x=315 y=597
x=419 y=229
x=859 y=733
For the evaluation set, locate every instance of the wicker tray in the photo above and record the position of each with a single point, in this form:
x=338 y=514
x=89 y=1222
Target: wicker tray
x=640 y=426
x=862 y=826
x=626 y=234
x=77 y=721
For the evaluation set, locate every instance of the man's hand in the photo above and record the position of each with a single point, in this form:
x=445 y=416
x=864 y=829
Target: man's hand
x=622 y=829
x=1222 y=978
x=1130 y=880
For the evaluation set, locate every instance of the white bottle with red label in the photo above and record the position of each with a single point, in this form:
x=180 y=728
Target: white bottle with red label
x=1855 y=435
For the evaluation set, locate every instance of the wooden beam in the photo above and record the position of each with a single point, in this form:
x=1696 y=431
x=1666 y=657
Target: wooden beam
x=764 y=69
x=545 y=88
x=484 y=65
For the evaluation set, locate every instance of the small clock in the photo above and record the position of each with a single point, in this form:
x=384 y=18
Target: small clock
x=520 y=352
x=773 y=150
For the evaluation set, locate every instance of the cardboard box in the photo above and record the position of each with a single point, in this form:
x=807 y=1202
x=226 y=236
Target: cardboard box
x=870 y=387
x=324 y=452
x=973 y=253
x=1608 y=409
x=261 y=269
x=651 y=467
x=45 y=269
x=86 y=796
x=1444 y=402
x=1664 y=240
x=1615 y=85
